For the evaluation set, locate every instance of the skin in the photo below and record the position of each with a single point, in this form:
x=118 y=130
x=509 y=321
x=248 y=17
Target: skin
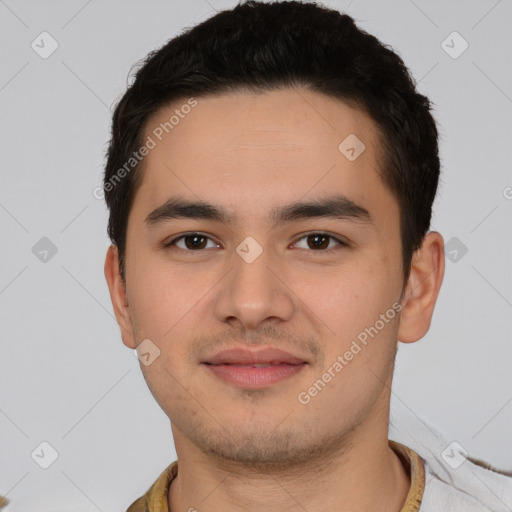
x=260 y=450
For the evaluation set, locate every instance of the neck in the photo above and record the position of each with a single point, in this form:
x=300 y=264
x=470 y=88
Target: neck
x=362 y=473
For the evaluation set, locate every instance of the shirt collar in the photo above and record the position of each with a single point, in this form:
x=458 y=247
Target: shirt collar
x=155 y=500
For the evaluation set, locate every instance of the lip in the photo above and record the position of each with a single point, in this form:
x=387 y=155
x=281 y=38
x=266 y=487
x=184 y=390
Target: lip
x=235 y=366
x=262 y=356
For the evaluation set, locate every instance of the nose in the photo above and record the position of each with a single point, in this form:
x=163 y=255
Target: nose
x=255 y=293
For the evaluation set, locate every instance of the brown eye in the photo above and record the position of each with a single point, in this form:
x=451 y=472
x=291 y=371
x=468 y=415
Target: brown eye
x=321 y=242
x=195 y=241
x=318 y=241
x=191 y=242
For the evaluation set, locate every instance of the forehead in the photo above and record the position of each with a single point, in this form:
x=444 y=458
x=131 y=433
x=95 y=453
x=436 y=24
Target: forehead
x=270 y=147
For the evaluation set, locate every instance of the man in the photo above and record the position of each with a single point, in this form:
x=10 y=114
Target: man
x=270 y=181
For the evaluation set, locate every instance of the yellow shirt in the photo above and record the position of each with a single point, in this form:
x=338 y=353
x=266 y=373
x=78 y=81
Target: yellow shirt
x=155 y=500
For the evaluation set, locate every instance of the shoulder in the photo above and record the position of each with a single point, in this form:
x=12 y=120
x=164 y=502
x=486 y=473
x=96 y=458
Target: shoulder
x=462 y=494
x=454 y=481
x=139 y=505
x=155 y=499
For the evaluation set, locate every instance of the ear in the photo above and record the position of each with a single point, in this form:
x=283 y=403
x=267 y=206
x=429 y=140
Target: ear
x=422 y=289
x=118 y=296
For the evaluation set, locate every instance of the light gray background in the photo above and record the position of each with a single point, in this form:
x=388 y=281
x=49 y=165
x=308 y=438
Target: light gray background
x=67 y=379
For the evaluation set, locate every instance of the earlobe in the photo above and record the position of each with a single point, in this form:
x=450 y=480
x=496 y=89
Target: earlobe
x=118 y=296
x=422 y=290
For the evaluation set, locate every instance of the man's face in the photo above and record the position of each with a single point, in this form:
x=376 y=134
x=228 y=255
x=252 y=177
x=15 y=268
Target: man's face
x=305 y=293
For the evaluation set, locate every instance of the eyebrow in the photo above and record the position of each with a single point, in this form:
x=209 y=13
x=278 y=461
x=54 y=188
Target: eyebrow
x=337 y=207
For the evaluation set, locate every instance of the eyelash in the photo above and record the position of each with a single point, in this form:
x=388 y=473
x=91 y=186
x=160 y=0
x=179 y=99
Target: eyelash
x=341 y=243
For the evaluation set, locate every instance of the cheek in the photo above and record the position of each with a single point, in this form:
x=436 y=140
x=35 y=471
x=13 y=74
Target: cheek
x=354 y=311
x=347 y=298
x=162 y=296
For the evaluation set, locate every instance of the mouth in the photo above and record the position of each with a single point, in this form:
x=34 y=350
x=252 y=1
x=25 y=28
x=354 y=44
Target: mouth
x=254 y=369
